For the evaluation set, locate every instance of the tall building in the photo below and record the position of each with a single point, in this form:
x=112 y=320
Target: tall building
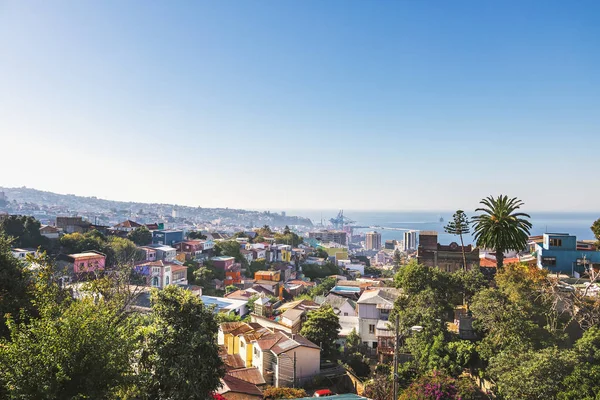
x=339 y=237
x=373 y=240
x=410 y=241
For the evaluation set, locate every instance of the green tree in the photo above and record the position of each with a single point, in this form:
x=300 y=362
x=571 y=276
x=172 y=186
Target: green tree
x=196 y=235
x=14 y=282
x=263 y=232
x=322 y=327
x=469 y=283
x=288 y=237
x=314 y=271
x=397 y=258
x=260 y=264
x=140 y=236
x=230 y=289
x=535 y=374
x=323 y=288
x=353 y=341
x=251 y=302
x=359 y=364
x=230 y=248
x=583 y=383
x=372 y=271
x=596 y=230
x=459 y=225
x=203 y=276
x=123 y=251
x=84 y=353
x=181 y=359
x=505 y=325
x=500 y=227
x=414 y=278
x=25 y=231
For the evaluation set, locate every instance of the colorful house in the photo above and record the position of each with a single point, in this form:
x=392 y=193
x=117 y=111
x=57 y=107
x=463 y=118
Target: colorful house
x=560 y=253
x=273 y=276
x=161 y=273
x=89 y=261
x=233 y=275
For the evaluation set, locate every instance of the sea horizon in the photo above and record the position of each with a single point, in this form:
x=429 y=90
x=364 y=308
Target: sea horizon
x=573 y=223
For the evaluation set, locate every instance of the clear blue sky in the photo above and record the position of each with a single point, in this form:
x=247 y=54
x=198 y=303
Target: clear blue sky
x=303 y=104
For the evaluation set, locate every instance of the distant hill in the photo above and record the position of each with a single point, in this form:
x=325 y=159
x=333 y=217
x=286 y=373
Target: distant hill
x=28 y=199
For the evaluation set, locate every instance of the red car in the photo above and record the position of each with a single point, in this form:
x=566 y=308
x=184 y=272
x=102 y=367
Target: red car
x=323 y=393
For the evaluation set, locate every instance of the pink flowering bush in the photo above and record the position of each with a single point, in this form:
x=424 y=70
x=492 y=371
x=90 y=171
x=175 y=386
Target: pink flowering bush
x=439 y=386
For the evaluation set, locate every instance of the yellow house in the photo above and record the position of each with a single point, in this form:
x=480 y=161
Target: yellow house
x=286 y=255
x=229 y=333
x=273 y=276
x=247 y=341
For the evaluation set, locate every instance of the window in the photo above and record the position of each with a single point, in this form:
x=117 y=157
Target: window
x=549 y=261
x=556 y=242
x=155 y=281
x=371 y=328
x=345 y=314
x=167 y=281
x=374 y=345
x=256 y=351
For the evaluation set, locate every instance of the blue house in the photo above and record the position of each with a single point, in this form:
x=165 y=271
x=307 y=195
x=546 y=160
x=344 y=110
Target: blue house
x=560 y=253
x=167 y=236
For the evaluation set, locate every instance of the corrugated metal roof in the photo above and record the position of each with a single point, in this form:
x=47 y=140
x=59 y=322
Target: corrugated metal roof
x=251 y=375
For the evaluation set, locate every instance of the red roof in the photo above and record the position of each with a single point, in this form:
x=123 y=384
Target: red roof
x=128 y=224
x=488 y=263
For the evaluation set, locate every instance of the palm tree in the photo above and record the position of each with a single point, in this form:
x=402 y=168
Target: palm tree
x=459 y=226
x=500 y=227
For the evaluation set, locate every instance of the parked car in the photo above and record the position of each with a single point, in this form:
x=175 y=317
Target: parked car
x=323 y=393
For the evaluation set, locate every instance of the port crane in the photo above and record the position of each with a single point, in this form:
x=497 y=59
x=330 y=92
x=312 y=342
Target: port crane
x=340 y=221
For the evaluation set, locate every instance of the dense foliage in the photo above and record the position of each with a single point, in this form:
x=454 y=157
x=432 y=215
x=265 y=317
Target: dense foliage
x=140 y=236
x=438 y=386
x=14 y=282
x=273 y=393
x=322 y=327
x=24 y=231
x=57 y=346
x=117 y=250
x=314 y=271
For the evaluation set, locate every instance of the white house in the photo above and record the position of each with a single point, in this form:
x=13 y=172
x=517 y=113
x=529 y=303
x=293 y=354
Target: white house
x=227 y=305
x=49 y=231
x=21 y=254
x=127 y=226
x=343 y=306
x=373 y=306
x=283 y=356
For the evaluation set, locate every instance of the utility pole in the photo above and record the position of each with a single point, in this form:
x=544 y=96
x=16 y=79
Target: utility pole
x=294 y=384
x=396 y=350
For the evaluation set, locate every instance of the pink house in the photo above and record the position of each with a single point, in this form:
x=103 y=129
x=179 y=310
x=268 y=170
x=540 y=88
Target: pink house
x=89 y=261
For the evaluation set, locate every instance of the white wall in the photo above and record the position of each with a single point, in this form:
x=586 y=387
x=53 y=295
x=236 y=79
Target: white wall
x=308 y=363
x=347 y=310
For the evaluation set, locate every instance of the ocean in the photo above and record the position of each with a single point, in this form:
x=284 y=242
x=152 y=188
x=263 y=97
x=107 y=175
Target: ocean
x=577 y=224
